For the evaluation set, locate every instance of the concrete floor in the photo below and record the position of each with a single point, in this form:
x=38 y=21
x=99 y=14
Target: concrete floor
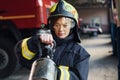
x=103 y=66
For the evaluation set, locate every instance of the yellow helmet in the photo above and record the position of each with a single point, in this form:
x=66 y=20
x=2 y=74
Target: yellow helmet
x=62 y=8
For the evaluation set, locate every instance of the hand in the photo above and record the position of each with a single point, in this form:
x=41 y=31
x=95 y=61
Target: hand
x=47 y=38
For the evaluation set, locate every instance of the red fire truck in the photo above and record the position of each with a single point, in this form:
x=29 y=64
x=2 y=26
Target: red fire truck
x=18 y=19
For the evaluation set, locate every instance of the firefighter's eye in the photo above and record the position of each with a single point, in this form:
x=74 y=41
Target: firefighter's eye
x=65 y=26
x=56 y=25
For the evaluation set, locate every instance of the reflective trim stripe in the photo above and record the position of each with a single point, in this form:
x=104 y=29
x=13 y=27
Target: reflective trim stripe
x=17 y=17
x=64 y=73
x=26 y=53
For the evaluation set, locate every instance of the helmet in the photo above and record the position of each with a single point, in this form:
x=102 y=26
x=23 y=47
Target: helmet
x=64 y=9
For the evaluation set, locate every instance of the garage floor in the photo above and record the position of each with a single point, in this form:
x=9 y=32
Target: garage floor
x=103 y=66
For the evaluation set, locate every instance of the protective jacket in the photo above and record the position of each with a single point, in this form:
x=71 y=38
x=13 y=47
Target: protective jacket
x=70 y=57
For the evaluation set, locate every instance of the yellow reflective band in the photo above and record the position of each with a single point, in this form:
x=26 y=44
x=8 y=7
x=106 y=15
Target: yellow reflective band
x=53 y=8
x=26 y=53
x=64 y=73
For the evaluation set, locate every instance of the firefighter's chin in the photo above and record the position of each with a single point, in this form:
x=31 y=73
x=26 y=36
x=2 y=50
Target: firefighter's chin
x=62 y=36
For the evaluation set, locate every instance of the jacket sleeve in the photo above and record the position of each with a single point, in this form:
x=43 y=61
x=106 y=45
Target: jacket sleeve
x=27 y=51
x=82 y=64
x=80 y=69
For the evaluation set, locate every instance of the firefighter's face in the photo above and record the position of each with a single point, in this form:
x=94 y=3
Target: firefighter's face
x=62 y=27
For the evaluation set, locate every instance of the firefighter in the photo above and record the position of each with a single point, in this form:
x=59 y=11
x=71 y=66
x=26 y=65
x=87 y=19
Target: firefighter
x=70 y=57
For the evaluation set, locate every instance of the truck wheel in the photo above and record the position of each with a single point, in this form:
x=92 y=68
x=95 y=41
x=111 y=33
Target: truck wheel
x=8 y=58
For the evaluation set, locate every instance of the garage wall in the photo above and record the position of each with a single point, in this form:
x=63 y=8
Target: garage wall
x=88 y=14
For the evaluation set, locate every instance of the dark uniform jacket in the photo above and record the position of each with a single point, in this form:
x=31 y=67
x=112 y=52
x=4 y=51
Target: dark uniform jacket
x=68 y=56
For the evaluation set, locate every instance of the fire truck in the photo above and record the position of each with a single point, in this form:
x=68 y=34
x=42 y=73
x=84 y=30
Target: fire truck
x=19 y=19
